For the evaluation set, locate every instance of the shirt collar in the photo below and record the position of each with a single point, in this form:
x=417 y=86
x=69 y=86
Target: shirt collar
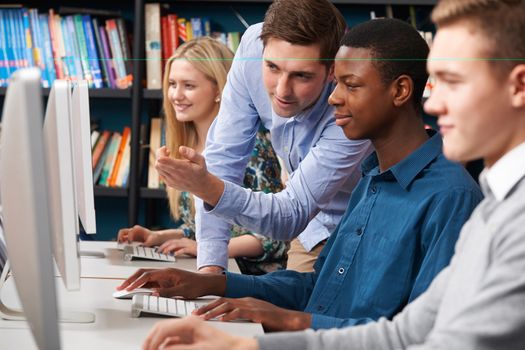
x=501 y=178
x=406 y=170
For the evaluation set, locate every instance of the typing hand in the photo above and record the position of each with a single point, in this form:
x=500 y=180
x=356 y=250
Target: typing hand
x=174 y=282
x=195 y=332
x=179 y=247
x=272 y=318
x=139 y=234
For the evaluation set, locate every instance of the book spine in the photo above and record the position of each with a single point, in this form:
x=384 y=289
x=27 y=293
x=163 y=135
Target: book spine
x=48 y=51
x=116 y=167
x=101 y=161
x=38 y=46
x=69 y=58
x=110 y=159
x=74 y=47
x=124 y=44
x=4 y=63
x=100 y=51
x=116 y=51
x=99 y=148
x=81 y=41
x=174 y=34
x=112 y=79
x=92 y=52
x=55 y=46
x=153 y=46
x=28 y=40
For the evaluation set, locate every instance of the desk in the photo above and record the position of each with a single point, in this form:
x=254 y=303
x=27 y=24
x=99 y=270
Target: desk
x=114 y=328
x=114 y=266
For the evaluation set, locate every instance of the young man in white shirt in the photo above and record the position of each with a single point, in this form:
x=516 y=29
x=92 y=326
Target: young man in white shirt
x=477 y=302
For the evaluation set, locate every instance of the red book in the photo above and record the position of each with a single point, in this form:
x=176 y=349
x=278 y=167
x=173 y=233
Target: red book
x=174 y=33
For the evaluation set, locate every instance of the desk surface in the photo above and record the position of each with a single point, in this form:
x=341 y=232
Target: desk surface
x=114 y=328
x=114 y=265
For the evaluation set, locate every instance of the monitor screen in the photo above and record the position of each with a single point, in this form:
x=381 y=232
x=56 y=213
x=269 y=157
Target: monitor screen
x=58 y=141
x=82 y=156
x=25 y=206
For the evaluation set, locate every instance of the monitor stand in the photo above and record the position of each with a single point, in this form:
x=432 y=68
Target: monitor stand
x=64 y=316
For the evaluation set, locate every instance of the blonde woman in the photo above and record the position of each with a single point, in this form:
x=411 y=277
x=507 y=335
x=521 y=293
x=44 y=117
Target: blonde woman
x=192 y=87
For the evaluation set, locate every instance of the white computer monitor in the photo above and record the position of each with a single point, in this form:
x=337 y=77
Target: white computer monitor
x=58 y=142
x=82 y=156
x=25 y=204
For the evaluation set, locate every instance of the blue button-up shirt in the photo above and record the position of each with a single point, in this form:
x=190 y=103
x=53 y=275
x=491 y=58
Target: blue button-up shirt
x=398 y=232
x=323 y=164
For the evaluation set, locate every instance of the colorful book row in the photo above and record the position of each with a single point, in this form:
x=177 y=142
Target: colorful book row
x=65 y=47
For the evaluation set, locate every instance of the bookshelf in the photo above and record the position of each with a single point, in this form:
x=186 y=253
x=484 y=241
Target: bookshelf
x=119 y=207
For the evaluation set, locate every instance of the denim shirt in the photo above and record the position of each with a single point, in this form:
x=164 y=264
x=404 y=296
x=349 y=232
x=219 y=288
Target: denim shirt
x=323 y=164
x=398 y=232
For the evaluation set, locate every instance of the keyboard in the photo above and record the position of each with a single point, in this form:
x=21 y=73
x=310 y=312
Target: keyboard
x=153 y=305
x=139 y=252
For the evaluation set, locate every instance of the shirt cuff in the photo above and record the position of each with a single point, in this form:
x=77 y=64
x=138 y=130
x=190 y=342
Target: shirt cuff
x=239 y=286
x=324 y=322
x=284 y=340
x=231 y=202
x=212 y=253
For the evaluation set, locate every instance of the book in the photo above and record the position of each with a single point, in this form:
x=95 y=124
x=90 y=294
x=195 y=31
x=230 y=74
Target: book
x=92 y=55
x=153 y=46
x=100 y=51
x=99 y=147
x=109 y=162
x=124 y=141
x=124 y=43
x=122 y=79
x=154 y=145
x=102 y=158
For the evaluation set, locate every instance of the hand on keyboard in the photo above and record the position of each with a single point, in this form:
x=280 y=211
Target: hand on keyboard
x=174 y=282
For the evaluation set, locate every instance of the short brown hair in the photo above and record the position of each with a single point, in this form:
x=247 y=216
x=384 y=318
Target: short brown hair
x=501 y=22
x=305 y=22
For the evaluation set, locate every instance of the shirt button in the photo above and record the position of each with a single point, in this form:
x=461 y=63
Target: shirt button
x=359 y=231
x=341 y=270
x=320 y=307
x=286 y=149
x=373 y=189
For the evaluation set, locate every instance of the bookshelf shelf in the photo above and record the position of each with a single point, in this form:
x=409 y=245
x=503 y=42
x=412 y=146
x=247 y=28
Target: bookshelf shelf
x=153 y=193
x=102 y=191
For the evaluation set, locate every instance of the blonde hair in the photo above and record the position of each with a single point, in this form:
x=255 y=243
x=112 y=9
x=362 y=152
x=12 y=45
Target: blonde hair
x=214 y=60
x=501 y=22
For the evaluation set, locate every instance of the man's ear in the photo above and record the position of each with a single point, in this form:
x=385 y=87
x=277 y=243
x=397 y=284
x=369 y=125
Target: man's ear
x=330 y=75
x=402 y=90
x=517 y=86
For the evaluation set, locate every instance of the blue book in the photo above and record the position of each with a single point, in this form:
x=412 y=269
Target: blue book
x=196 y=27
x=92 y=52
x=69 y=58
x=18 y=31
x=100 y=51
x=38 y=46
x=28 y=39
x=4 y=63
x=48 y=51
x=12 y=59
x=74 y=46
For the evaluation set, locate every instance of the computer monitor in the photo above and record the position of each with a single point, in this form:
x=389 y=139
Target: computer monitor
x=25 y=208
x=58 y=146
x=82 y=156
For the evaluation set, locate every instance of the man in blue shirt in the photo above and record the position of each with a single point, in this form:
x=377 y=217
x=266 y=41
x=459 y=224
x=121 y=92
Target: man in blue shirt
x=402 y=221
x=281 y=77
